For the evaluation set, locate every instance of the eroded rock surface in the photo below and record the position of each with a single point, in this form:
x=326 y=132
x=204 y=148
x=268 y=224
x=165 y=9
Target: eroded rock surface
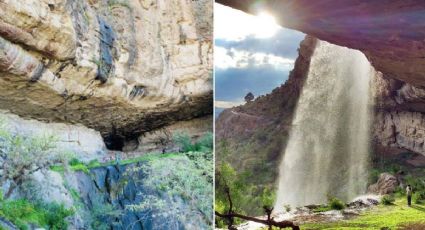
x=120 y=67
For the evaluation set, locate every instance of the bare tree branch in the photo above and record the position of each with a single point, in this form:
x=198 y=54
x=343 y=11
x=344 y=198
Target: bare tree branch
x=269 y=222
x=281 y=224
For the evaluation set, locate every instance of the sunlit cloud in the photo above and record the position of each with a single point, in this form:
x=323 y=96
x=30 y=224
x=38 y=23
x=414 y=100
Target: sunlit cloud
x=231 y=58
x=227 y=104
x=230 y=24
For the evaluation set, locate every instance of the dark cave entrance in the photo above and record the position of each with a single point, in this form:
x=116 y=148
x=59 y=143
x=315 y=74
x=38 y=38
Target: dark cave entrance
x=114 y=142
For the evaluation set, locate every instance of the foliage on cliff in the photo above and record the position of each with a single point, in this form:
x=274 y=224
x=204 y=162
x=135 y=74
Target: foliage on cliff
x=185 y=176
x=23 y=213
x=22 y=155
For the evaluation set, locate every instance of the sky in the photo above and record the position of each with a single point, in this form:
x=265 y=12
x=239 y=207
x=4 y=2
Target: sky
x=252 y=54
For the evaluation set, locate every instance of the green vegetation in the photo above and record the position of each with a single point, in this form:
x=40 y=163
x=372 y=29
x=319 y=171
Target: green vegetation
x=254 y=173
x=124 y=3
x=22 y=213
x=336 y=204
x=393 y=217
x=255 y=159
x=186 y=175
x=81 y=166
x=241 y=193
x=333 y=204
x=100 y=212
x=204 y=144
x=22 y=155
x=387 y=200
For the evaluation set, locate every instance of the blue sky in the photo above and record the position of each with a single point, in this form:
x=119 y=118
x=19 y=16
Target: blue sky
x=252 y=54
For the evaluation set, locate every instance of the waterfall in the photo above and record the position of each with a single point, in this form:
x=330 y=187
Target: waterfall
x=328 y=147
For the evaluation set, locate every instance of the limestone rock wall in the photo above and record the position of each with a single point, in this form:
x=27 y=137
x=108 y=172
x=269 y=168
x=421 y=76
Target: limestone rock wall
x=161 y=140
x=399 y=120
x=401 y=129
x=85 y=143
x=122 y=67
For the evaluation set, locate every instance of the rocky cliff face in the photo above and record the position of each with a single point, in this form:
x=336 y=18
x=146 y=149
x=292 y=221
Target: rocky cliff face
x=120 y=187
x=122 y=67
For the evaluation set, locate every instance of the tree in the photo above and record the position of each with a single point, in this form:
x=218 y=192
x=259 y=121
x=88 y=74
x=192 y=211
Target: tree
x=230 y=192
x=20 y=156
x=164 y=140
x=249 y=97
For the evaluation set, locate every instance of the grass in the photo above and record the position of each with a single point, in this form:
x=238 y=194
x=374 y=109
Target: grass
x=393 y=217
x=76 y=165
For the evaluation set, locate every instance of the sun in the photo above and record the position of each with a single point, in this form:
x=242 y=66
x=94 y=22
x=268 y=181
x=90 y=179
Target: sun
x=264 y=25
x=231 y=24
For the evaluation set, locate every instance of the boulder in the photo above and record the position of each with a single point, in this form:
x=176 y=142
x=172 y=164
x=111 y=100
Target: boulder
x=386 y=184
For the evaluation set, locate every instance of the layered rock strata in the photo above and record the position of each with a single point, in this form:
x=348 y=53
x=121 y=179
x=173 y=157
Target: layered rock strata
x=122 y=67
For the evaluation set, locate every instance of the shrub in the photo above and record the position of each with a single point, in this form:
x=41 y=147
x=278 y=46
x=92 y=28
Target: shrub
x=204 y=144
x=336 y=204
x=55 y=214
x=75 y=161
x=417 y=199
x=22 y=213
x=188 y=177
x=101 y=212
x=268 y=197
x=184 y=142
x=23 y=154
x=387 y=200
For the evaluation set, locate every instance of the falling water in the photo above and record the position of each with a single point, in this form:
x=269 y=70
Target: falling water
x=327 y=151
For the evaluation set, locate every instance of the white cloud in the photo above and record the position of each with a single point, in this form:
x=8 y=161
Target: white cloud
x=231 y=58
x=235 y=25
x=227 y=104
